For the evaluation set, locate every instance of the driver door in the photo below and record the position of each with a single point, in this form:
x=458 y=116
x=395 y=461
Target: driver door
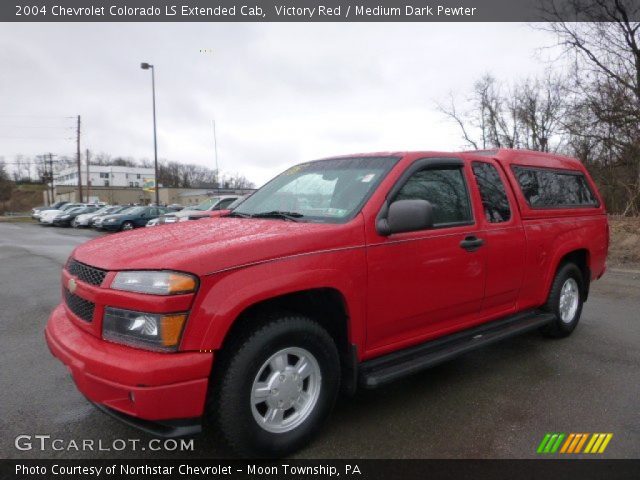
x=425 y=283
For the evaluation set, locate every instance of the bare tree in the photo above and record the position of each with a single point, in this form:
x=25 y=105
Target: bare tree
x=604 y=51
x=525 y=115
x=6 y=185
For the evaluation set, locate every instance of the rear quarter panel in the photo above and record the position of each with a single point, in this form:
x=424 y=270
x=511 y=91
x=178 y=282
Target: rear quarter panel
x=552 y=233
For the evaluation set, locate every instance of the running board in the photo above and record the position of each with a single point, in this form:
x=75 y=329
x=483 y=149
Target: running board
x=387 y=368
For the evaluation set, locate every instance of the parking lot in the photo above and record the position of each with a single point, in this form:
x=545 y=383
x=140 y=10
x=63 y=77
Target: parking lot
x=494 y=403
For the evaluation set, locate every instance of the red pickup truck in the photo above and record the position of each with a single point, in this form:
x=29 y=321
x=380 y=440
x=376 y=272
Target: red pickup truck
x=345 y=272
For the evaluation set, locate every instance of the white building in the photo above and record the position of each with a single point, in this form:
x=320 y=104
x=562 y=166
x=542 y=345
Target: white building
x=105 y=176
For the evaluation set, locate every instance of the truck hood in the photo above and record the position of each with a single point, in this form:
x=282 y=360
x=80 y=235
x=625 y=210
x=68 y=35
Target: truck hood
x=207 y=246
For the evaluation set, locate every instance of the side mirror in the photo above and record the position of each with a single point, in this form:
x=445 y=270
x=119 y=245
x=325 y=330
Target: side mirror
x=406 y=216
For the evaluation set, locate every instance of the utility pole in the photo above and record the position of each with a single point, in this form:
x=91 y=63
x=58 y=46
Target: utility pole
x=88 y=178
x=215 y=151
x=45 y=177
x=51 y=175
x=79 y=166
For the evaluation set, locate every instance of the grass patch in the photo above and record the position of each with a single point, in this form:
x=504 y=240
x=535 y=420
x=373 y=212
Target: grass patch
x=11 y=219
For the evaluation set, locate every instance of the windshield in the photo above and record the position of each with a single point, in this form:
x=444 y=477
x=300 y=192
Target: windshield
x=207 y=204
x=331 y=190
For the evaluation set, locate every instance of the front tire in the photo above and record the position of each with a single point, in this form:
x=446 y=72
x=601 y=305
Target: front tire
x=127 y=226
x=274 y=386
x=565 y=300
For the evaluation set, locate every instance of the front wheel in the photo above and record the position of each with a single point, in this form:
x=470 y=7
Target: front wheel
x=127 y=226
x=565 y=301
x=275 y=386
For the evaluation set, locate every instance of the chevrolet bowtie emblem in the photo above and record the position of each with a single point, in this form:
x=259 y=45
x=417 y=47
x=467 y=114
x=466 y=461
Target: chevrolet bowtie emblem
x=72 y=285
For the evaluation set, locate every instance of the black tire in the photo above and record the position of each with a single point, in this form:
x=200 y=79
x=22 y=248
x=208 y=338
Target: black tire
x=560 y=328
x=229 y=406
x=127 y=226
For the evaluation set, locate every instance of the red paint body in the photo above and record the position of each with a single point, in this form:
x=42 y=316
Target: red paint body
x=398 y=290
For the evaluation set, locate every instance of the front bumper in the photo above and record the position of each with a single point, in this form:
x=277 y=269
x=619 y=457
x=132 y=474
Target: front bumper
x=136 y=383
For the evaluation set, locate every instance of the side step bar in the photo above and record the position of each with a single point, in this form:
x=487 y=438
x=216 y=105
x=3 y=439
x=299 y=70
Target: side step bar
x=381 y=370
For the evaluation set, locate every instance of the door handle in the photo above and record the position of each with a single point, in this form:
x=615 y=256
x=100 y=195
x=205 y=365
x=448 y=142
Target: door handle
x=471 y=243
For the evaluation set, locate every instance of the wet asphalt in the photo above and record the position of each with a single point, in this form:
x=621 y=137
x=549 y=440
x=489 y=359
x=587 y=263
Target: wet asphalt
x=493 y=403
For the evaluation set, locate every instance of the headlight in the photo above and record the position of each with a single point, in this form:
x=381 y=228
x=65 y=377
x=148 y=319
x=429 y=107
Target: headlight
x=64 y=216
x=155 y=283
x=145 y=330
x=110 y=220
x=170 y=219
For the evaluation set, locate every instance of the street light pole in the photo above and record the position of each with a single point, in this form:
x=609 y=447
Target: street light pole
x=147 y=66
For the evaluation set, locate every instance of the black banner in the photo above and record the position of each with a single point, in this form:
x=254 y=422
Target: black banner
x=298 y=10
x=580 y=469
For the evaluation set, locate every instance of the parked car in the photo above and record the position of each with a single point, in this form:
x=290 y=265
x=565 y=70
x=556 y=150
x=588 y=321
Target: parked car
x=217 y=213
x=339 y=273
x=36 y=212
x=153 y=222
x=170 y=218
x=69 y=216
x=47 y=216
x=86 y=219
x=96 y=221
x=130 y=218
x=220 y=202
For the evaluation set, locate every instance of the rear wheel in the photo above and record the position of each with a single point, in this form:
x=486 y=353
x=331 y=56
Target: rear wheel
x=565 y=301
x=274 y=386
x=127 y=226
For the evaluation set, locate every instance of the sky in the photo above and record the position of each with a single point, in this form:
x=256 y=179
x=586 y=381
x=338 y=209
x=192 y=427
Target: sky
x=280 y=93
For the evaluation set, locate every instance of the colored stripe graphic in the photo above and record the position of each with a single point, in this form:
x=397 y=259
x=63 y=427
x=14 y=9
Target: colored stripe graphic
x=550 y=443
x=598 y=442
x=573 y=443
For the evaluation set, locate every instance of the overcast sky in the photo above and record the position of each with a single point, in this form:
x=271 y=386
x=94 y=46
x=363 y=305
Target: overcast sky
x=280 y=93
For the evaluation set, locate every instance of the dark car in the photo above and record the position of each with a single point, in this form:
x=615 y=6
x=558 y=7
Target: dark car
x=98 y=216
x=131 y=218
x=66 y=218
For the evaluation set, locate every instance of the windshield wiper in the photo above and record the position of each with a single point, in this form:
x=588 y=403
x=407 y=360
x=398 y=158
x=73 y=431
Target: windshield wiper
x=293 y=216
x=238 y=214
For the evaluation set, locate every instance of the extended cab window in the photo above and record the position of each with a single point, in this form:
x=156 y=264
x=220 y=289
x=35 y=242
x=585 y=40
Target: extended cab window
x=445 y=189
x=492 y=192
x=544 y=187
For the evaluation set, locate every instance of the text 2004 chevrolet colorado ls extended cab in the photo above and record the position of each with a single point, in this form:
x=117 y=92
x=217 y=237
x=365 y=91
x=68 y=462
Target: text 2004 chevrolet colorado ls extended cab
x=340 y=272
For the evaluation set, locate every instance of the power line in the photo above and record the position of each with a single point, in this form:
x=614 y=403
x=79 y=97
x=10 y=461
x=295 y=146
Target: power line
x=35 y=138
x=35 y=116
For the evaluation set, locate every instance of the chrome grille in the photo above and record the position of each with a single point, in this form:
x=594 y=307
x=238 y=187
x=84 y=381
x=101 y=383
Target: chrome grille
x=86 y=273
x=79 y=306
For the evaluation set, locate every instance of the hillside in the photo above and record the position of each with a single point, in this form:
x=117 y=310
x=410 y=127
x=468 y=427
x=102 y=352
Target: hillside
x=23 y=198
